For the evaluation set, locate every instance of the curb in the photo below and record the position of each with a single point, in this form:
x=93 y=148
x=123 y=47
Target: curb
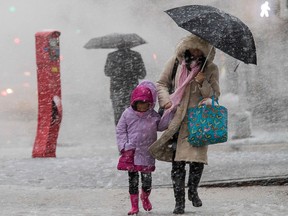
x=259 y=181
x=256 y=181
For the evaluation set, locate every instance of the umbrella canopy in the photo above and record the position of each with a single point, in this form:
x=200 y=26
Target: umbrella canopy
x=224 y=31
x=115 y=40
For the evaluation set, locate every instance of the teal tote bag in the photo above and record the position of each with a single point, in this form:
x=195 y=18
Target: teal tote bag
x=207 y=124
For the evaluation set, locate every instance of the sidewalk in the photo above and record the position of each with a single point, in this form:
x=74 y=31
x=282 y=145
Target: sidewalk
x=83 y=180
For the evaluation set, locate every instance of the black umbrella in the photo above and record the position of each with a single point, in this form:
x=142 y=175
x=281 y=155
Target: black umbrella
x=224 y=31
x=115 y=40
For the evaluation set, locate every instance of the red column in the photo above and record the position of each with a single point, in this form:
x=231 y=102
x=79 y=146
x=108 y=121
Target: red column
x=49 y=93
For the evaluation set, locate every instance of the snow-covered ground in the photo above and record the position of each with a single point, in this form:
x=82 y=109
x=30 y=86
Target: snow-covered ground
x=83 y=180
x=43 y=201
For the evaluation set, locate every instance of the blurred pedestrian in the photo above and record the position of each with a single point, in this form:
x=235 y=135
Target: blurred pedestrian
x=196 y=80
x=124 y=67
x=135 y=132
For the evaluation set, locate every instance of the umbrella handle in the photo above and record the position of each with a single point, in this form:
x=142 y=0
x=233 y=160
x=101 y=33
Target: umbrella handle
x=206 y=59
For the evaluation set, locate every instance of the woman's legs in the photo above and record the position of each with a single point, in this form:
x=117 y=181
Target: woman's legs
x=178 y=173
x=195 y=173
x=133 y=191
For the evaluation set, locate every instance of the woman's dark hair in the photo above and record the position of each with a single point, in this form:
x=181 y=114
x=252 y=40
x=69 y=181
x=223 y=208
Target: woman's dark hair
x=187 y=59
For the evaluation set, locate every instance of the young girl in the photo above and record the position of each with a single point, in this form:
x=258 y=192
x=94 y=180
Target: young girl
x=135 y=132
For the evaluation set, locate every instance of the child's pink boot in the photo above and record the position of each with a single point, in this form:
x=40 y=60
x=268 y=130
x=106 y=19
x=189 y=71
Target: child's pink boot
x=145 y=200
x=134 y=198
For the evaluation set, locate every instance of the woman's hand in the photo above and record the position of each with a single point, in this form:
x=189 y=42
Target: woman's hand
x=205 y=101
x=200 y=78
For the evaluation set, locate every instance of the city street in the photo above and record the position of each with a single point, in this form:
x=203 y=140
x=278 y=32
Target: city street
x=83 y=180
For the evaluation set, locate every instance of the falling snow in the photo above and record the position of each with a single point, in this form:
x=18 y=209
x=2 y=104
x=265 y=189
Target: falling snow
x=83 y=179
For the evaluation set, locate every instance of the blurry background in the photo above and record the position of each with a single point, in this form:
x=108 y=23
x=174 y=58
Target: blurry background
x=255 y=95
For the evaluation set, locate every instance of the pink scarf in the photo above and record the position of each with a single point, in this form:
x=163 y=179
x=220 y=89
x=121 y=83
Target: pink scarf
x=184 y=79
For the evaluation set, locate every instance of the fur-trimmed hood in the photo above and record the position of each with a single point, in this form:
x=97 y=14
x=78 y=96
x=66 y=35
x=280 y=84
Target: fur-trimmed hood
x=194 y=42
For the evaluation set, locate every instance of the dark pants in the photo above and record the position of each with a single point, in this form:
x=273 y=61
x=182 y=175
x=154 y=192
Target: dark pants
x=146 y=180
x=119 y=107
x=178 y=173
x=178 y=168
x=121 y=100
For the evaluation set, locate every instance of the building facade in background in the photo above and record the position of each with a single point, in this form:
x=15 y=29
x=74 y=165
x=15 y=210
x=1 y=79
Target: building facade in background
x=260 y=90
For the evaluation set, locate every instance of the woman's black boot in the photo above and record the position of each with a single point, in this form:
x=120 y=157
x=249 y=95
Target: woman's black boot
x=178 y=178
x=195 y=173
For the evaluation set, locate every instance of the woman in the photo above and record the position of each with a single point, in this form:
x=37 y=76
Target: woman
x=193 y=55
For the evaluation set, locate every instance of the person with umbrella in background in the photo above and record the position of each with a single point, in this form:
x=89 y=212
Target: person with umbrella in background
x=124 y=67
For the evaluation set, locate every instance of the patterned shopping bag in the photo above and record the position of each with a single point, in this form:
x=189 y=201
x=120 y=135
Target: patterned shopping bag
x=207 y=124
